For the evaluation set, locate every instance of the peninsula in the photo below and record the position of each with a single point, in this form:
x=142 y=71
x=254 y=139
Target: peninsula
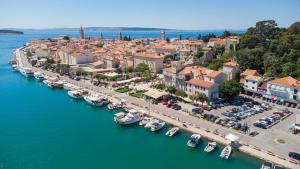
x=8 y=31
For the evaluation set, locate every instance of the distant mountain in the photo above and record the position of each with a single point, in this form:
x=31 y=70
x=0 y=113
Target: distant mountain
x=8 y=31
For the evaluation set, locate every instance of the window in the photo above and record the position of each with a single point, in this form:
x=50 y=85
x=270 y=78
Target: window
x=252 y=88
x=295 y=91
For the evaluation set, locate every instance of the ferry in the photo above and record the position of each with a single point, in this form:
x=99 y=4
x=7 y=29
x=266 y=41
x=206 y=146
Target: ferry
x=226 y=152
x=27 y=72
x=194 y=140
x=173 y=131
x=131 y=117
x=96 y=100
x=157 y=126
x=211 y=146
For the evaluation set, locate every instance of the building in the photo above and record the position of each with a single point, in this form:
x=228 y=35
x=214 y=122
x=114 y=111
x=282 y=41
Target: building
x=252 y=83
x=194 y=79
x=163 y=35
x=75 y=57
x=81 y=33
x=284 y=90
x=231 y=69
x=154 y=61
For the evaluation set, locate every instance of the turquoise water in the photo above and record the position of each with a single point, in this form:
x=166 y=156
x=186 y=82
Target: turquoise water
x=43 y=128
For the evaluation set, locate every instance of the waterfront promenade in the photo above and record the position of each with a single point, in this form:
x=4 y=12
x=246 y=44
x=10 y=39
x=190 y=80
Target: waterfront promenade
x=193 y=124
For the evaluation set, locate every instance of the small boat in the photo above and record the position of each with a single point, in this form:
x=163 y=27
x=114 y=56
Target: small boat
x=226 y=152
x=194 y=140
x=267 y=165
x=144 y=121
x=149 y=124
x=39 y=76
x=131 y=117
x=157 y=126
x=27 y=72
x=14 y=67
x=119 y=116
x=113 y=106
x=96 y=100
x=58 y=84
x=69 y=86
x=173 y=131
x=76 y=94
x=210 y=147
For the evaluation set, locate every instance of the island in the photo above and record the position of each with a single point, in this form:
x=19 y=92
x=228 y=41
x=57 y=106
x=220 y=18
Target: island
x=7 y=31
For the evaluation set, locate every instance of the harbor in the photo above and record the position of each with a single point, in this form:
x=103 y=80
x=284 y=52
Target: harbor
x=182 y=121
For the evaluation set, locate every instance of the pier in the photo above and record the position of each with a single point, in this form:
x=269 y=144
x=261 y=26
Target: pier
x=184 y=121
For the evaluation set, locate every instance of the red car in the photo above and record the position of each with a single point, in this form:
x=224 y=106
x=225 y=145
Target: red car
x=169 y=105
x=164 y=102
x=279 y=113
x=174 y=106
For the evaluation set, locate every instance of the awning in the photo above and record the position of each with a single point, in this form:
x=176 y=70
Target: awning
x=155 y=94
x=232 y=137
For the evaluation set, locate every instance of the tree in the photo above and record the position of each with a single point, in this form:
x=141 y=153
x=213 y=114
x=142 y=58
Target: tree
x=229 y=89
x=201 y=97
x=199 y=37
x=100 y=77
x=129 y=70
x=160 y=86
x=206 y=38
x=119 y=71
x=226 y=34
x=180 y=93
x=171 y=89
x=66 y=38
x=199 y=54
x=142 y=67
x=168 y=40
x=100 y=45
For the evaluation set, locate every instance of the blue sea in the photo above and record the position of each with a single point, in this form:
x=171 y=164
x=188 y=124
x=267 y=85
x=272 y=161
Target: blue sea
x=42 y=128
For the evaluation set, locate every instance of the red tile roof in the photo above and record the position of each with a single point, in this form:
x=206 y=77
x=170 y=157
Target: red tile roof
x=201 y=83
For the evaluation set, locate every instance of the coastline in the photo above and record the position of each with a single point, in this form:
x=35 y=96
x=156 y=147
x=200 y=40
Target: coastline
x=136 y=103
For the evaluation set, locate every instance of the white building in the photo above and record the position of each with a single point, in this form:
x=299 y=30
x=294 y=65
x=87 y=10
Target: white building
x=286 y=88
x=231 y=69
x=73 y=58
x=251 y=83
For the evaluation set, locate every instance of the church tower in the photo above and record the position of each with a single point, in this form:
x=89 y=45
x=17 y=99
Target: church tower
x=163 y=35
x=81 y=33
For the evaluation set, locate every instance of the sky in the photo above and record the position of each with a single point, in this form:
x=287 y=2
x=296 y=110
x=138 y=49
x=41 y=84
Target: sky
x=174 y=14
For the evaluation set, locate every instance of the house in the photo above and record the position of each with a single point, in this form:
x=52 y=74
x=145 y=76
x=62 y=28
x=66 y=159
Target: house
x=231 y=69
x=154 y=61
x=284 y=89
x=197 y=86
x=247 y=72
x=252 y=83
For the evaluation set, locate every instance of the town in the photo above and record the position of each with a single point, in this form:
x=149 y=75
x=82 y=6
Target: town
x=174 y=79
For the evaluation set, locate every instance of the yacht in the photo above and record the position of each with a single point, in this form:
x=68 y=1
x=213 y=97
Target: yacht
x=68 y=86
x=39 y=76
x=210 y=147
x=119 y=116
x=113 y=106
x=27 y=72
x=76 y=94
x=58 y=84
x=144 y=121
x=194 y=140
x=157 y=126
x=173 y=131
x=96 y=99
x=131 y=117
x=149 y=124
x=226 y=152
x=267 y=165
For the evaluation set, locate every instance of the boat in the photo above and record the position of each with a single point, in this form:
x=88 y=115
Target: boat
x=157 y=126
x=226 y=152
x=76 y=94
x=58 y=84
x=113 y=106
x=194 y=140
x=39 y=76
x=69 y=86
x=27 y=72
x=131 y=117
x=210 y=147
x=96 y=99
x=14 y=67
x=267 y=165
x=173 y=131
x=149 y=124
x=144 y=121
x=119 y=116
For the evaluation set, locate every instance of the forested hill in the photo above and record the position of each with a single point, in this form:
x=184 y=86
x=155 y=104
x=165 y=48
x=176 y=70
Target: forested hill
x=6 y=31
x=273 y=51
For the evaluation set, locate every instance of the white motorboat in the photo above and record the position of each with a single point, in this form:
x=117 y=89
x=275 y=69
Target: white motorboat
x=131 y=117
x=14 y=67
x=194 y=140
x=226 y=152
x=96 y=99
x=144 y=121
x=149 y=124
x=119 y=116
x=210 y=147
x=69 y=86
x=58 y=84
x=267 y=165
x=27 y=72
x=76 y=94
x=157 y=126
x=113 y=106
x=173 y=131
x=39 y=76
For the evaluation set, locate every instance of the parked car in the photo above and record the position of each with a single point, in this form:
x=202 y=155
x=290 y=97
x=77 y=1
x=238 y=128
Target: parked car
x=294 y=155
x=197 y=110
